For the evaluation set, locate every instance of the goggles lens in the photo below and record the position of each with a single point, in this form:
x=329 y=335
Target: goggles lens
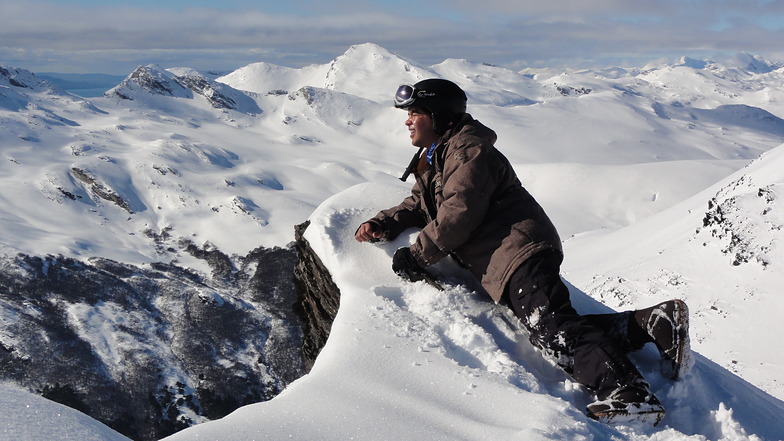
x=404 y=95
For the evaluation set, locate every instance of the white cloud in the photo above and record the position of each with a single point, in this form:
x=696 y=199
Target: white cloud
x=40 y=34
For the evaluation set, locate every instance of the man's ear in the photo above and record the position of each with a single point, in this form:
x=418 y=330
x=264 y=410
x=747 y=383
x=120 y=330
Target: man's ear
x=441 y=122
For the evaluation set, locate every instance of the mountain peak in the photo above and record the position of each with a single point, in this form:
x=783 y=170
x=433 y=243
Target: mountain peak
x=371 y=64
x=181 y=83
x=150 y=79
x=367 y=50
x=752 y=63
x=23 y=79
x=693 y=63
x=12 y=76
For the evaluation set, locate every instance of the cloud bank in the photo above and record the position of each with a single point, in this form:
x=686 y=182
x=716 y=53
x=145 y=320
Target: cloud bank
x=46 y=36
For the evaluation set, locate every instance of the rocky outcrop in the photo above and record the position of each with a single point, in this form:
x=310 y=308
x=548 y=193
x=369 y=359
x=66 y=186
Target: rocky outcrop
x=11 y=77
x=98 y=188
x=743 y=219
x=203 y=87
x=151 y=350
x=320 y=296
x=24 y=79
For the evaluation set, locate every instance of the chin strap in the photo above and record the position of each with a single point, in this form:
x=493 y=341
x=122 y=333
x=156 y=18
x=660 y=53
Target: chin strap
x=412 y=165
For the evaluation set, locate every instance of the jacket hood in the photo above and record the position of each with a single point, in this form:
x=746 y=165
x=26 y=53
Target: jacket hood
x=468 y=126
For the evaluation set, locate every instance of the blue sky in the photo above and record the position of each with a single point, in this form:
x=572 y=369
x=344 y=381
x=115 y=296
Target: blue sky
x=79 y=36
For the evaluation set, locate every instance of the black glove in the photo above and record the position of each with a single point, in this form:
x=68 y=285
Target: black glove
x=405 y=266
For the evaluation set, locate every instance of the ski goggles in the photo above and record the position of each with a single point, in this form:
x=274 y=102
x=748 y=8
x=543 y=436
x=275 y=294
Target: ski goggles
x=405 y=96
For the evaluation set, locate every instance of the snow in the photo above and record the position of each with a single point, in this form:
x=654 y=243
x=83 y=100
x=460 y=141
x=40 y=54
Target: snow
x=625 y=171
x=28 y=417
x=406 y=361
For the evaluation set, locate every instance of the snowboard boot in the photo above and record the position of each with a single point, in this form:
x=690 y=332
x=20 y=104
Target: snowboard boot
x=628 y=404
x=667 y=325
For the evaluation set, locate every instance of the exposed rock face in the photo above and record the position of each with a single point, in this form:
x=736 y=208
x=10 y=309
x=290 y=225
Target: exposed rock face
x=744 y=219
x=21 y=78
x=148 y=79
x=151 y=350
x=11 y=77
x=98 y=188
x=203 y=87
x=320 y=297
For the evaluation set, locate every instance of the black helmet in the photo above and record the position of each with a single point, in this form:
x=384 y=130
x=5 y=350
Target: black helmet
x=443 y=99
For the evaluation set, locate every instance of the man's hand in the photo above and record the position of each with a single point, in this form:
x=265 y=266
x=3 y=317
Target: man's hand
x=405 y=266
x=368 y=231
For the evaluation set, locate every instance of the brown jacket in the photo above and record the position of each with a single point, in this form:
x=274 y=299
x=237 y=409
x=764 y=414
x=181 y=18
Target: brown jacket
x=471 y=205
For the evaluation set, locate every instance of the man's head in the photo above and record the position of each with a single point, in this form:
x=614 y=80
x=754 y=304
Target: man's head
x=420 y=127
x=443 y=100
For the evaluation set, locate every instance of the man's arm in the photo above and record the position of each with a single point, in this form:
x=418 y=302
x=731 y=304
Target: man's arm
x=388 y=224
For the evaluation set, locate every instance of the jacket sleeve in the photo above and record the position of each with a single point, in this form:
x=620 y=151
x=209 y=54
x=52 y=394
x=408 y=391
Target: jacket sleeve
x=468 y=183
x=395 y=220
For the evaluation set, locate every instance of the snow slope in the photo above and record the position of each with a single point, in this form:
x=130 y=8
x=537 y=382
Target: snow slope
x=298 y=136
x=601 y=150
x=406 y=361
x=721 y=251
x=28 y=417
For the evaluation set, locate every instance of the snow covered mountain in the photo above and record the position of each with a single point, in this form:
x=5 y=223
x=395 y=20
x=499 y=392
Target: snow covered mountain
x=171 y=160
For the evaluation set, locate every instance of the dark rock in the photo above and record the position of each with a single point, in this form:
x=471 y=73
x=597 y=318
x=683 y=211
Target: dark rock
x=153 y=81
x=152 y=350
x=100 y=189
x=320 y=296
x=204 y=87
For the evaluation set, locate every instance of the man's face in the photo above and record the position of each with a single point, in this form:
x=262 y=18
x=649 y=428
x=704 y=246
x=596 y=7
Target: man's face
x=420 y=128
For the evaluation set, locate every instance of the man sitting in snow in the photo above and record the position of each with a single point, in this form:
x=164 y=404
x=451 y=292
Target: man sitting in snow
x=471 y=206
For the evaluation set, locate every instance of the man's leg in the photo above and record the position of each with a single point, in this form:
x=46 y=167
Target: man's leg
x=621 y=327
x=538 y=296
x=666 y=325
x=592 y=356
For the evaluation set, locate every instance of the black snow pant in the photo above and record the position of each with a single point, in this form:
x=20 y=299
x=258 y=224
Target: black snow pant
x=591 y=348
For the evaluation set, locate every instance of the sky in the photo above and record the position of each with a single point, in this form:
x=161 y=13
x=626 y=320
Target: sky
x=94 y=36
